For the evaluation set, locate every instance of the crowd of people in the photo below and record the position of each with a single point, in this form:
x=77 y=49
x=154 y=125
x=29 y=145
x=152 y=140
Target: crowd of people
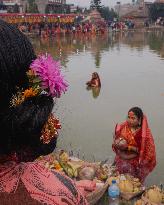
x=46 y=30
x=121 y=25
x=28 y=85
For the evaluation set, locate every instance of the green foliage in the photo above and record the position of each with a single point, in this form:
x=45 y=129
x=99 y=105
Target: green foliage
x=26 y=9
x=96 y=4
x=33 y=8
x=16 y=8
x=108 y=14
x=47 y=10
x=156 y=10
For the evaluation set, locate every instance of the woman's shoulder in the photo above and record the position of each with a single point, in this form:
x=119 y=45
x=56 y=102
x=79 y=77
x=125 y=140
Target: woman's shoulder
x=42 y=184
x=55 y=182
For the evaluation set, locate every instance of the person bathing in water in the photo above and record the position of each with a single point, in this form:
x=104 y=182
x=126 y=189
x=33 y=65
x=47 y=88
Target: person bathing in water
x=95 y=81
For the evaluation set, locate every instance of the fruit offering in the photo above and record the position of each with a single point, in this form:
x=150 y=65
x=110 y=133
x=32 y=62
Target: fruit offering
x=75 y=168
x=152 y=196
x=127 y=183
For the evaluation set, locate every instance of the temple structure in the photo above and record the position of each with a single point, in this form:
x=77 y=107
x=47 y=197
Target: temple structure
x=138 y=12
x=44 y=6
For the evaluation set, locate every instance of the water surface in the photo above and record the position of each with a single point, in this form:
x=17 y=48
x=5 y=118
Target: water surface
x=131 y=68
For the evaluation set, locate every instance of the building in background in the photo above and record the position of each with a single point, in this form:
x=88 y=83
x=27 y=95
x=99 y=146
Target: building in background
x=52 y=6
x=44 y=6
x=11 y=6
x=137 y=11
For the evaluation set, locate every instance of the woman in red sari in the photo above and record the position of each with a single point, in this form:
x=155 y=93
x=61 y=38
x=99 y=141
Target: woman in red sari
x=134 y=145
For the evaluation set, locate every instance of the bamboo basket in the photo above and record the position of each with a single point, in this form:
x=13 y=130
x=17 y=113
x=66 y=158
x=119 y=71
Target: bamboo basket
x=96 y=195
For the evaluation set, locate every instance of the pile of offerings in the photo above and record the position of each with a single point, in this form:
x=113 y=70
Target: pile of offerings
x=152 y=196
x=91 y=178
x=129 y=186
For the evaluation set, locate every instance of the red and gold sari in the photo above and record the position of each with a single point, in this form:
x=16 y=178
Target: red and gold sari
x=141 y=165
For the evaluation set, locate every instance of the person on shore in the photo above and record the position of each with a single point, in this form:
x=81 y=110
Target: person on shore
x=95 y=80
x=134 y=145
x=28 y=85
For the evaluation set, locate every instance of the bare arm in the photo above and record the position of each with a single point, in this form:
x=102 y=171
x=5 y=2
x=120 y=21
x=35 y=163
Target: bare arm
x=126 y=156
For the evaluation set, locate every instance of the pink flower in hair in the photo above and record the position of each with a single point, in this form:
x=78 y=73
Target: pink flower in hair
x=49 y=73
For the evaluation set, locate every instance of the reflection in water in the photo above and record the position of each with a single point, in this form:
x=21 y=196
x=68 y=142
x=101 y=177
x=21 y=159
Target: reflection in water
x=62 y=47
x=95 y=91
x=156 y=42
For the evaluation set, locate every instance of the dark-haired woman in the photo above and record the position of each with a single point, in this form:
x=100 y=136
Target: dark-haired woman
x=28 y=125
x=134 y=145
x=95 y=81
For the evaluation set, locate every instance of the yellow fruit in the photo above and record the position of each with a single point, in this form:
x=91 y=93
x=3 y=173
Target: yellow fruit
x=136 y=189
x=135 y=179
x=126 y=186
x=64 y=157
x=154 y=195
x=137 y=184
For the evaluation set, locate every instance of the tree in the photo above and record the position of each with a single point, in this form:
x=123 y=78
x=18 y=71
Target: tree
x=156 y=10
x=33 y=8
x=96 y=4
x=1 y=5
x=26 y=9
x=47 y=10
x=108 y=14
x=16 y=8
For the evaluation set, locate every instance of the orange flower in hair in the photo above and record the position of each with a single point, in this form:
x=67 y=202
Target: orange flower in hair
x=21 y=96
x=30 y=92
x=50 y=129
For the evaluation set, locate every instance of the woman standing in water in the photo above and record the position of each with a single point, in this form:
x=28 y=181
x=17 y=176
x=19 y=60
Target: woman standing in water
x=95 y=81
x=134 y=145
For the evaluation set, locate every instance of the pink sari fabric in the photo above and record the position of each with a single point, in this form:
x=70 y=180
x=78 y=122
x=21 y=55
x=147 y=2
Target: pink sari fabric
x=51 y=188
x=145 y=162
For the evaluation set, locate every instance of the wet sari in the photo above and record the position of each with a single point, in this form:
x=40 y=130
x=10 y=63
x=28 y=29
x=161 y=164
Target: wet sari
x=145 y=161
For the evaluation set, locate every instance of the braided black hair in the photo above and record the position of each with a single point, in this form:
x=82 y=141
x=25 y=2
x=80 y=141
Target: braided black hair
x=16 y=55
x=22 y=126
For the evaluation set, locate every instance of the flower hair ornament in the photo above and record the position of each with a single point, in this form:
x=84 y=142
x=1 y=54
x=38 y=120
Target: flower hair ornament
x=44 y=76
x=50 y=129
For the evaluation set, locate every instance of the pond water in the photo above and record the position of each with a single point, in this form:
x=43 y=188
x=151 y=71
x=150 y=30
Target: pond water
x=131 y=68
